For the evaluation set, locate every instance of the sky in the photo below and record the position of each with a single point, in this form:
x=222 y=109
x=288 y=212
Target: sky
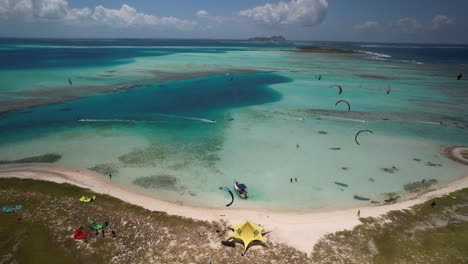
x=420 y=21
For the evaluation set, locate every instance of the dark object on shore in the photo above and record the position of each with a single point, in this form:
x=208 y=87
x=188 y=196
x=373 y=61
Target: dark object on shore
x=433 y=204
x=102 y=230
x=359 y=132
x=371 y=179
x=295 y=179
x=110 y=176
x=291 y=180
x=337 y=148
x=231 y=119
x=344 y=168
x=70 y=81
x=360 y=198
x=297 y=145
x=459 y=76
x=321 y=132
x=46 y=158
x=415 y=159
x=113 y=233
x=228 y=243
x=358 y=213
x=341 y=184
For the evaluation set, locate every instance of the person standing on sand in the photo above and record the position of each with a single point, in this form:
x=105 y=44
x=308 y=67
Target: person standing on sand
x=359 y=213
x=295 y=179
x=290 y=180
x=110 y=176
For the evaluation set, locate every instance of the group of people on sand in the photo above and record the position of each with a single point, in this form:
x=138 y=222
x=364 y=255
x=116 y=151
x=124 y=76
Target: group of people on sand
x=291 y=179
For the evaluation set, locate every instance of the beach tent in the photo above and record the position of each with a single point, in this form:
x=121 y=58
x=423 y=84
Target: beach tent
x=10 y=208
x=85 y=199
x=247 y=233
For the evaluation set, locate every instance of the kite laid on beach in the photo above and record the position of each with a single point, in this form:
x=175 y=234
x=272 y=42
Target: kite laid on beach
x=357 y=134
x=340 y=89
x=344 y=101
x=229 y=191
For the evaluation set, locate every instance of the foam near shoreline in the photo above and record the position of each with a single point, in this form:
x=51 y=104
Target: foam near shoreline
x=300 y=230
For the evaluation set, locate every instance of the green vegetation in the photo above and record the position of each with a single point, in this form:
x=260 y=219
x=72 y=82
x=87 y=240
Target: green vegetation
x=42 y=233
x=422 y=234
x=464 y=154
x=46 y=158
x=52 y=212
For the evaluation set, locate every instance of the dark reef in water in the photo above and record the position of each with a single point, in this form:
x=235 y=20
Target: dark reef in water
x=418 y=186
x=430 y=164
x=46 y=158
x=341 y=184
x=162 y=181
x=105 y=169
x=393 y=169
x=360 y=198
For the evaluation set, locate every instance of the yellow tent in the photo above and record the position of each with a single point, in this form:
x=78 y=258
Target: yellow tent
x=247 y=233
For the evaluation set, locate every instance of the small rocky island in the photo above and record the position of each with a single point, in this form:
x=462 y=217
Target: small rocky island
x=272 y=38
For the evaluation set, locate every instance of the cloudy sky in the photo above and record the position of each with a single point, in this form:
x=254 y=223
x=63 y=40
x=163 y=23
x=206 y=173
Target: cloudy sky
x=442 y=21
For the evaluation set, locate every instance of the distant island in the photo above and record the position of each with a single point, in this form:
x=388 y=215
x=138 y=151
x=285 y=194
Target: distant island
x=272 y=38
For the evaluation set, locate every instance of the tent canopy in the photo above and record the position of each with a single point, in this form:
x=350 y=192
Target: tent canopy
x=248 y=232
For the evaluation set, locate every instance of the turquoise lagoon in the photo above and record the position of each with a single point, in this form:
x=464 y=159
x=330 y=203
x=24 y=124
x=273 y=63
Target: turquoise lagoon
x=144 y=113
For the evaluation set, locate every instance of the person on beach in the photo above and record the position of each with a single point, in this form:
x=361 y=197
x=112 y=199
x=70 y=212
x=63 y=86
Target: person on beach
x=290 y=180
x=433 y=204
x=297 y=145
x=295 y=179
x=113 y=233
x=110 y=176
x=359 y=213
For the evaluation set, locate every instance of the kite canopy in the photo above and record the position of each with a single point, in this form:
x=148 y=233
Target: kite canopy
x=248 y=232
x=85 y=199
x=10 y=208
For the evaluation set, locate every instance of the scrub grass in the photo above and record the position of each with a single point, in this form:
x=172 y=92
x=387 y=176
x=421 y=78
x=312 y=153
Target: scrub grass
x=422 y=234
x=51 y=212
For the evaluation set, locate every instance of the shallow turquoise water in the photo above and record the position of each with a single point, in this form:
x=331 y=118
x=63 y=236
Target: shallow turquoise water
x=163 y=126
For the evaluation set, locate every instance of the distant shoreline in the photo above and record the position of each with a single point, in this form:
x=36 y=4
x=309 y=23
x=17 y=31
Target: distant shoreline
x=313 y=49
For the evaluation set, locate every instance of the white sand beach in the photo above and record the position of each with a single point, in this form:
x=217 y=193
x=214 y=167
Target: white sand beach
x=298 y=230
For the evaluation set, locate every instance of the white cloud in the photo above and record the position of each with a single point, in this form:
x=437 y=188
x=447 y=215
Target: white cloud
x=59 y=11
x=368 y=25
x=300 y=12
x=202 y=13
x=407 y=25
x=440 y=21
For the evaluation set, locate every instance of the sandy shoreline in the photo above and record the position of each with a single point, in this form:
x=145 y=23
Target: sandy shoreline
x=299 y=230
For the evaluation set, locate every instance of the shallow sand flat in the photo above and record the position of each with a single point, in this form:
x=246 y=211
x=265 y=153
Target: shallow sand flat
x=299 y=230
